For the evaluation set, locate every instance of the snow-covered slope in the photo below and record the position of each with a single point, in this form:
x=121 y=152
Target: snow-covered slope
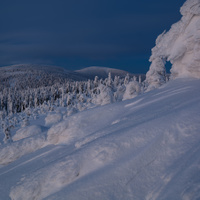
x=144 y=148
x=180 y=45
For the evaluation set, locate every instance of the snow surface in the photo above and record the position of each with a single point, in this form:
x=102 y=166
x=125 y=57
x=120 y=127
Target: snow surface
x=143 y=148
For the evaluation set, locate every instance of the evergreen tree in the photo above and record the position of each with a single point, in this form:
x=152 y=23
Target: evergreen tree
x=156 y=76
x=126 y=79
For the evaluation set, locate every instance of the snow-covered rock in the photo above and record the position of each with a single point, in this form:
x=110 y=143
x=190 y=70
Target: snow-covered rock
x=180 y=46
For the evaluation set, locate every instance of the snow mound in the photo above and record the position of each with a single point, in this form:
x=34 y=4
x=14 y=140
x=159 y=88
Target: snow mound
x=41 y=181
x=78 y=126
x=52 y=119
x=15 y=150
x=180 y=45
x=27 y=132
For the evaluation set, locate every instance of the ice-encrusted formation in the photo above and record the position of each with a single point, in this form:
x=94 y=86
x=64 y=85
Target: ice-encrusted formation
x=180 y=46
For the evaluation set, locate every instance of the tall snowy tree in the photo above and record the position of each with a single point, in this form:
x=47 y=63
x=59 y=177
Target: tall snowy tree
x=156 y=76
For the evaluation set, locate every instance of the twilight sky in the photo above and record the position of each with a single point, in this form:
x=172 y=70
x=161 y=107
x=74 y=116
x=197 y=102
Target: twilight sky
x=82 y=33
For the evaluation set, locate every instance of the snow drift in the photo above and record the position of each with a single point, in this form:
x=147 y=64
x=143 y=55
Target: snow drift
x=180 y=45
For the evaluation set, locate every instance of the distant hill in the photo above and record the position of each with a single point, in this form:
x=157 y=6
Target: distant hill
x=33 y=76
x=102 y=72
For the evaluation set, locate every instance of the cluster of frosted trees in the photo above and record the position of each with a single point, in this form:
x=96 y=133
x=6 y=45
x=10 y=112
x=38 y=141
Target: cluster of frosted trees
x=25 y=78
x=97 y=91
x=75 y=96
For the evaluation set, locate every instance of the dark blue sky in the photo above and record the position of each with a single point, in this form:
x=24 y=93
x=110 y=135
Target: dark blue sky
x=82 y=33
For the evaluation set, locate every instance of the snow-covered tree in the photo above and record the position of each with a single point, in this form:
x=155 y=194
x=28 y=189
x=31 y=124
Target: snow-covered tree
x=126 y=79
x=109 y=81
x=156 y=76
x=140 y=79
x=6 y=130
x=132 y=90
x=180 y=46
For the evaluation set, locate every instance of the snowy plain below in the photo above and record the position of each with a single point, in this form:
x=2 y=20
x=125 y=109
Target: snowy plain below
x=144 y=148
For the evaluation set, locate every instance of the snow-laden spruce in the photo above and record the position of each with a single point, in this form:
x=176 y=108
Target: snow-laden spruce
x=180 y=46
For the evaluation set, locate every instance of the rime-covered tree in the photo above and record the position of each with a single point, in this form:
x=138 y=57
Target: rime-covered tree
x=156 y=76
x=133 y=88
x=126 y=79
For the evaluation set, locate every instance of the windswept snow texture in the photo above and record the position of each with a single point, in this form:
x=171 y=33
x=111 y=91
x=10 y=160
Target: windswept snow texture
x=143 y=148
x=180 y=45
